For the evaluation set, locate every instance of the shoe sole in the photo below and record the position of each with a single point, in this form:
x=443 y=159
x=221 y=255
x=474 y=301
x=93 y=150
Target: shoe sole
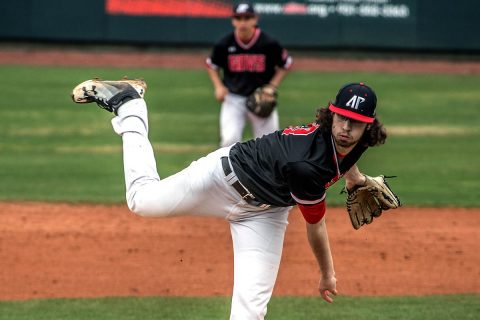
x=78 y=93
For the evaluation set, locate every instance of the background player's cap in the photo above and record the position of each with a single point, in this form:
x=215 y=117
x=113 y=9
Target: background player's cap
x=243 y=9
x=357 y=101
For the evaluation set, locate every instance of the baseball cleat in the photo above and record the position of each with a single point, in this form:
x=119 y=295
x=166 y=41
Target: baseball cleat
x=109 y=95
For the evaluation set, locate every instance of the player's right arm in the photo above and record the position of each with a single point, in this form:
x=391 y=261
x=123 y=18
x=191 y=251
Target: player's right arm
x=215 y=63
x=318 y=240
x=220 y=90
x=308 y=190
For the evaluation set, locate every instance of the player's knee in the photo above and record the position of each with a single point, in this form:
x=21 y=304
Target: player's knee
x=139 y=206
x=225 y=144
x=135 y=207
x=229 y=137
x=228 y=141
x=144 y=205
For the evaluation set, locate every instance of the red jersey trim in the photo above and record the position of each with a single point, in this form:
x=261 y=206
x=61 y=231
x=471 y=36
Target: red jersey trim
x=313 y=214
x=351 y=114
x=250 y=44
x=301 y=130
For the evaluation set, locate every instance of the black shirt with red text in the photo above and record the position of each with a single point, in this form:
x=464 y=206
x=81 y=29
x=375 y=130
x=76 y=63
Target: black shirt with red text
x=248 y=66
x=294 y=165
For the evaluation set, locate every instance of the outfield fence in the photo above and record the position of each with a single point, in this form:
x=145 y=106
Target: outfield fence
x=415 y=25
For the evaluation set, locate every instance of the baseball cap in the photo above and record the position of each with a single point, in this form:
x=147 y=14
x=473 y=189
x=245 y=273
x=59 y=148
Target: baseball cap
x=243 y=9
x=356 y=101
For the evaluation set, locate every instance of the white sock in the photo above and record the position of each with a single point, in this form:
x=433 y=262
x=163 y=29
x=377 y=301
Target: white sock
x=132 y=117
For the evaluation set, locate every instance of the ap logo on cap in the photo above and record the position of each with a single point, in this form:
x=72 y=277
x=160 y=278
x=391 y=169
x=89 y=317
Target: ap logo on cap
x=242 y=8
x=354 y=102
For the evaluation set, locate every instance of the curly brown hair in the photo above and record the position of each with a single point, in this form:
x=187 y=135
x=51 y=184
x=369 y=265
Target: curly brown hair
x=374 y=135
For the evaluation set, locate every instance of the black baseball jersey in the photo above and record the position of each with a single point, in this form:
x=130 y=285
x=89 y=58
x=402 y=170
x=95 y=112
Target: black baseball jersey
x=292 y=166
x=248 y=66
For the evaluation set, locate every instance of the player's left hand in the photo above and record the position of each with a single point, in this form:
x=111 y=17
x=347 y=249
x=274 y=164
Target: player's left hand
x=327 y=288
x=220 y=93
x=367 y=202
x=262 y=101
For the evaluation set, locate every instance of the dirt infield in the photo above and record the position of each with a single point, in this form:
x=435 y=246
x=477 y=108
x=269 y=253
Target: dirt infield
x=60 y=250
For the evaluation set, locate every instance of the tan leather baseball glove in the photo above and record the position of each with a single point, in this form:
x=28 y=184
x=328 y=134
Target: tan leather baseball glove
x=368 y=201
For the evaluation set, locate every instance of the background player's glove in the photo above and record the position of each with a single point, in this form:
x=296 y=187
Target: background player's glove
x=262 y=101
x=367 y=202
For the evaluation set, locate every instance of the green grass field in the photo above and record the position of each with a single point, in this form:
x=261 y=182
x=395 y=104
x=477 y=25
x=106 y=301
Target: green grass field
x=462 y=307
x=54 y=150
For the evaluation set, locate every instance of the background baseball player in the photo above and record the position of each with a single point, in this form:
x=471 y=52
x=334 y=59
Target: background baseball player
x=249 y=59
x=253 y=185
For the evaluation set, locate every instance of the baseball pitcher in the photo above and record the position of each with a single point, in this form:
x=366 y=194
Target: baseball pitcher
x=254 y=184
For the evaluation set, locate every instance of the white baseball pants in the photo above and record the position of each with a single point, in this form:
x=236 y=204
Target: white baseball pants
x=233 y=115
x=201 y=189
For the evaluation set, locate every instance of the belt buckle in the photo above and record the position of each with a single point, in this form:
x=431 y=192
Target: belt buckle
x=256 y=203
x=248 y=195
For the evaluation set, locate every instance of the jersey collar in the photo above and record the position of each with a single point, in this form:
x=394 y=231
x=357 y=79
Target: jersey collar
x=252 y=41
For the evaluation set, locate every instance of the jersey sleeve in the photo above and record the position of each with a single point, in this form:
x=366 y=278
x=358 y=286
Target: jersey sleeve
x=217 y=59
x=313 y=213
x=282 y=57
